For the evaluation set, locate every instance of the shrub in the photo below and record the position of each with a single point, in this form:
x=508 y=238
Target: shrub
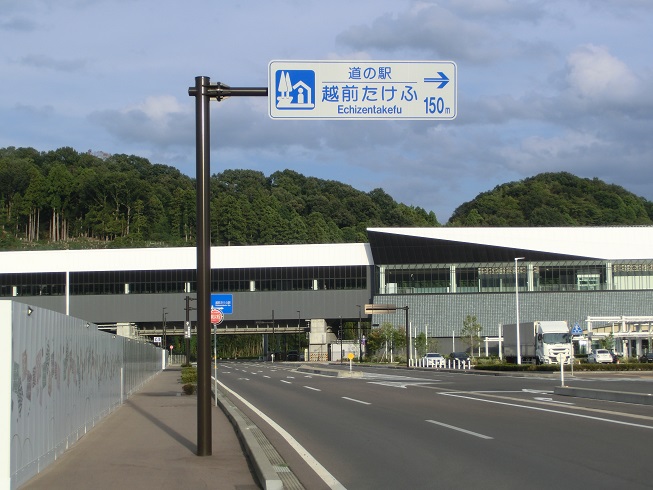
x=189 y=374
x=189 y=388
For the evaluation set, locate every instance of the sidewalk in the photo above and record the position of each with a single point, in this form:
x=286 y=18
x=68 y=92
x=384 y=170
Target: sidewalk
x=151 y=442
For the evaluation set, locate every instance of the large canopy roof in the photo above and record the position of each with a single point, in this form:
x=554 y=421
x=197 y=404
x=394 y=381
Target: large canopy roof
x=473 y=245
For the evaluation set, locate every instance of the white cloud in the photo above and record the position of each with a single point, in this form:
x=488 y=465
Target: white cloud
x=596 y=74
x=160 y=120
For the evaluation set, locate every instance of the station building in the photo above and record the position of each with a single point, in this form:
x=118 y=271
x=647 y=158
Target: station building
x=441 y=275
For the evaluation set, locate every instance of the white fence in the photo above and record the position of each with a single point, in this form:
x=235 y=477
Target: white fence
x=444 y=363
x=59 y=376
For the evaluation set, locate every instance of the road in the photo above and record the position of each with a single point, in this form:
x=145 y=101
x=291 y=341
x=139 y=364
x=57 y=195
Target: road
x=428 y=429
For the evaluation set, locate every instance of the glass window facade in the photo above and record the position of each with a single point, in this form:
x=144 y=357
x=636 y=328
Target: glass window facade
x=36 y=284
x=183 y=281
x=553 y=276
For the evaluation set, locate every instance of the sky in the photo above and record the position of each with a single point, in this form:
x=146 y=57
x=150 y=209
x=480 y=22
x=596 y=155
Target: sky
x=560 y=85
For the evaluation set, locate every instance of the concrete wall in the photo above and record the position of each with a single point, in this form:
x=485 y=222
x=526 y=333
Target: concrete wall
x=59 y=376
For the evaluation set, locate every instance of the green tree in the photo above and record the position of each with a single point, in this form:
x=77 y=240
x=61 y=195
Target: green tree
x=471 y=332
x=607 y=342
x=421 y=344
x=390 y=338
x=60 y=186
x=554 y=199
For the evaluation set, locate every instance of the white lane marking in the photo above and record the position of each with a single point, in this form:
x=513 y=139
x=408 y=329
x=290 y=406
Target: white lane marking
x=266 y=376
x=245 y=379
x=539 y=409
x=459 y=429
x=311 y=388
x=354 y=400
x=290 y=377
x=284 y=381
x=537 y=392
x=321 y=471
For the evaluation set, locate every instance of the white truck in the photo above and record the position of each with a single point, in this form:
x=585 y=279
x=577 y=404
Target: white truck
x=541 y=342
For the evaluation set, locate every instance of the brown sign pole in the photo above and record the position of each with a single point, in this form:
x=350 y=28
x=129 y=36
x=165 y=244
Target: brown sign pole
x=203 y=92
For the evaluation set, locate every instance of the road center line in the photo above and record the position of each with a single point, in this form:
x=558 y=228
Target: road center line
x=321 y=471
x=354 y=400
x=459 y=429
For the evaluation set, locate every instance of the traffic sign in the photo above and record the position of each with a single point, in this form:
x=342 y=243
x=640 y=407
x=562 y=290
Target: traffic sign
x=358 y=89
x=216 y=316
x=576 y=330
x=380 y=309
x=224 y=302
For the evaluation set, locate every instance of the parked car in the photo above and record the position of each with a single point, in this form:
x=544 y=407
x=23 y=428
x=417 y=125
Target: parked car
x=433 y=359
x=460 y=356
x=293 y=355
x=601 y=356
x=648 y=357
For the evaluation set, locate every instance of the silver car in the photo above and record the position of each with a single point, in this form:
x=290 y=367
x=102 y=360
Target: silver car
x=433 y=359
x=601 y=356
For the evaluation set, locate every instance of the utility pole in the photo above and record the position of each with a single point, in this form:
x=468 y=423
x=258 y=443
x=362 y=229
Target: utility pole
x=188 y=330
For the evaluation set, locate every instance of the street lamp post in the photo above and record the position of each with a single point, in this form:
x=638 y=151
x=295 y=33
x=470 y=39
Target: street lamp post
x=517 y=308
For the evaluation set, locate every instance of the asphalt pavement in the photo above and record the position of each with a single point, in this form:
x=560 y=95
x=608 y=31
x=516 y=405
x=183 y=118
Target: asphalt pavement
x=151 y=442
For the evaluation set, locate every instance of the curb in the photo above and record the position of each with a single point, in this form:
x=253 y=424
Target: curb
x=266 y=474
x=339 y=373
x=613 y=396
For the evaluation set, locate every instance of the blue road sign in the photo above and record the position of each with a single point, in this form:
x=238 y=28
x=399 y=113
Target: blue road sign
x=576 y=330
x=224 y=302
x=362 y=90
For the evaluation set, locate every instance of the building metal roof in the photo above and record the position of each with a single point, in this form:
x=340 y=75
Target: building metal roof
x=466 y=245
x=387 y=246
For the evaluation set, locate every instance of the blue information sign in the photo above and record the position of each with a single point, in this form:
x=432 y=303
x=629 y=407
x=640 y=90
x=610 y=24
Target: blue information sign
x=358 y=89
x=224 y=302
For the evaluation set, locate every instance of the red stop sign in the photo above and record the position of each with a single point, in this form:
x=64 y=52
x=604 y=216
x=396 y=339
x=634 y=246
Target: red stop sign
x=216 y=316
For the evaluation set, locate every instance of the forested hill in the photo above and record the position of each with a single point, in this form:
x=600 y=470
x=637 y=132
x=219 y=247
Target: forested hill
x=554 y=199
x=63 y=198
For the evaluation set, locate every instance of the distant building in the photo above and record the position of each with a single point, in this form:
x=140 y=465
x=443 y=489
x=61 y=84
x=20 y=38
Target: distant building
x=442 y=275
